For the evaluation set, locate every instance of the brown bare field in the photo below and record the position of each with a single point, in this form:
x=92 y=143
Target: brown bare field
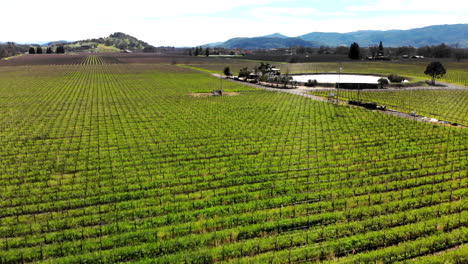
x=44 y=59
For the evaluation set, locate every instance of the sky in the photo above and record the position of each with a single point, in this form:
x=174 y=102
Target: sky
x=183 y=23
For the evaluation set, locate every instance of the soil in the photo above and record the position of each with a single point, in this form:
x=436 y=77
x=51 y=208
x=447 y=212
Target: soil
x=209 y=94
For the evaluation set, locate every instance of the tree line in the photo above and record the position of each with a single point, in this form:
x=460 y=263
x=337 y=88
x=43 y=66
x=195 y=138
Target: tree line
x=199 y=51
x=38 y=50
x=327 y=53
x=11 y=49
x=435 y=51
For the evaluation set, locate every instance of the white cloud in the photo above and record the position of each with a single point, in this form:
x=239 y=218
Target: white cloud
x=34 y=21
x=282 y=11
x=214 y=29
x=455 y=6
x=86 y=9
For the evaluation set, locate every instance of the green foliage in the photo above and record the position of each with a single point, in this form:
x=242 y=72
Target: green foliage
x=414 y=71
x=110 y=163
x=394 y=78
x=32 y=50
x=311 y=83
x=244 y=72
x=227 y=71
x=60 y=50
x=119 y=40
x=435 y=70
x=383 y=82
x=449 y=105
x=354 y=52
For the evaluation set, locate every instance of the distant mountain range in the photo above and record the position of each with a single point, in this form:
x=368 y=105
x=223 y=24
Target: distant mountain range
x=266 y=42
x=418 y=37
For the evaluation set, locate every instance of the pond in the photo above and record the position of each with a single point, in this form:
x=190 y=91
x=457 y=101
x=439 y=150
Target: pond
x=338 y=78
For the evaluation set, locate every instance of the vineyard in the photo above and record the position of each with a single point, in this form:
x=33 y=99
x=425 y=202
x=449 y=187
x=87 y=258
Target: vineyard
x=457 y=72
x=448 y=105
x=109 y=159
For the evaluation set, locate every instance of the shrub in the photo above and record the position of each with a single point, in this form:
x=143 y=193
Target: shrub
x=311 y=83
x=244 y=72
x=396 y=78
x=382 y=82
x=227 y=71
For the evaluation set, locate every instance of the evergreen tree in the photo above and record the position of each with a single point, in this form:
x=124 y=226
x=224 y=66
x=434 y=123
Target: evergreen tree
x=227 y=71
x=207 y=52
x=39 y=50
x=49 y=50
x=60 y=50
x=381 y=52
x=32 y=50
x=354 y=52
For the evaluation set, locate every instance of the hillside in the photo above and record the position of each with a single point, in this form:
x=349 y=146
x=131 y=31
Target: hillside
x=265 y=43
x=115 y=42
x=11 y=49
x=432 y=35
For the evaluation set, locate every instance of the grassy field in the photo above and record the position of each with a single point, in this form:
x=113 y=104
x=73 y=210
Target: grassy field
x=457 y=72
x=120 y=162
x=101 y=48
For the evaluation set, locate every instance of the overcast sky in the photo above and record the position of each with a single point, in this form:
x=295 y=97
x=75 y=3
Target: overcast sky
x=190 y=23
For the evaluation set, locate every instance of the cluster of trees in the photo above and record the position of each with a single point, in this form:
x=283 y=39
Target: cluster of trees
x=119 y=40
x=437 y=51
x=197 y=51
x=11 y=49
x=326 y=53
x=38 y=50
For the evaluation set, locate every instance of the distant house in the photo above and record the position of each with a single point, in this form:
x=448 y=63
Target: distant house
x=127 y=51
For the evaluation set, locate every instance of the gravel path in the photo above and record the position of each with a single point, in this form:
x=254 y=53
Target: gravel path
x=304 y=91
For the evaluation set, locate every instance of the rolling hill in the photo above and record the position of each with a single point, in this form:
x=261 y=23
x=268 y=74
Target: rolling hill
x=265 y=43
x=418 y=37
x=116 y=41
